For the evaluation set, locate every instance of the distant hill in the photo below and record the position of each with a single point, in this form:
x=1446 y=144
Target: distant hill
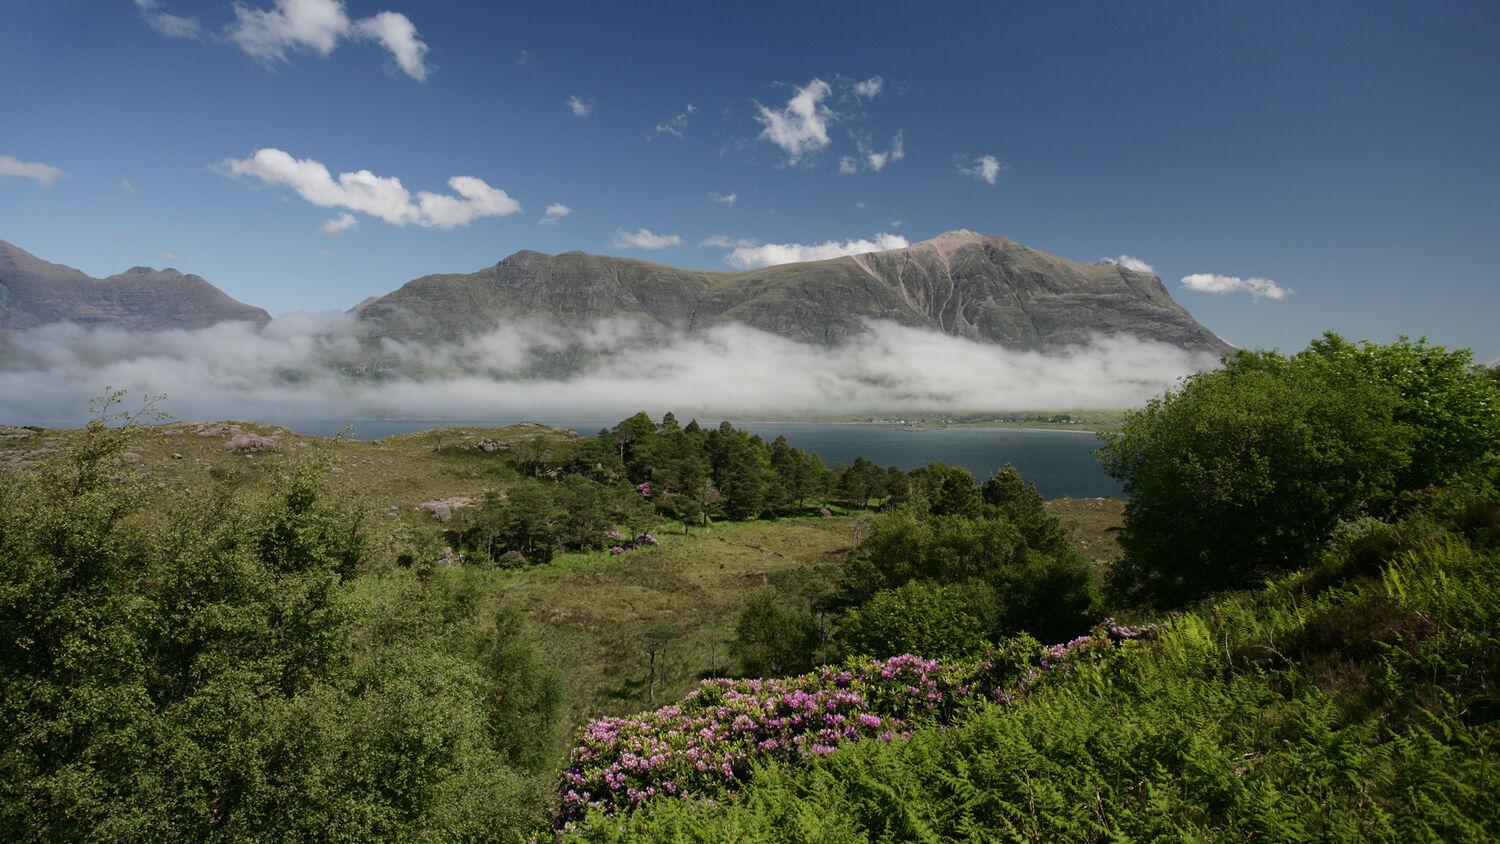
x=34 y=292
x=989 y=289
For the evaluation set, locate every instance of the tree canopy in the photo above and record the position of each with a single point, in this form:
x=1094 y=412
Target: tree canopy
x=1243 y=471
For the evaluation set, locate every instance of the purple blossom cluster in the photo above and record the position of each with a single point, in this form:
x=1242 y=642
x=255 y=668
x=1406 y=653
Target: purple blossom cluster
x=639 y=542
x=644 y=488
x=711 y=740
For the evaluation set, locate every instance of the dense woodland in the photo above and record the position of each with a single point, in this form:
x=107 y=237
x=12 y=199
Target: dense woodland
x=1300 y=642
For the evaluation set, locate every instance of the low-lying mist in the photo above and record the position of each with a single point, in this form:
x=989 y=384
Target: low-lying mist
x=306 y=367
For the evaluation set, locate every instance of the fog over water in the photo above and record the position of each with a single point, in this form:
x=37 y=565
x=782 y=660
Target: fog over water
x=289 y=370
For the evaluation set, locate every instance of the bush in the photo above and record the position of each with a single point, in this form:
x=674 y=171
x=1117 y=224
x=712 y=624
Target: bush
x=1244 y=471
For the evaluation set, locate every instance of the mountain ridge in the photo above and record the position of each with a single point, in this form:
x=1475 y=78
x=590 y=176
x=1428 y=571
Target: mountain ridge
x=985 y=288
x=34 y=292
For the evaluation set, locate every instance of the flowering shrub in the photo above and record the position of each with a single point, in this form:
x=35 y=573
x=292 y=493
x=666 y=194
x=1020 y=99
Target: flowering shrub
x=823 y=511
x=639 y=542
x=644 y=488
x=711 y=739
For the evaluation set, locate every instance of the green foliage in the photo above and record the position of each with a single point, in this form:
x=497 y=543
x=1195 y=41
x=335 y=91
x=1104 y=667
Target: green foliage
x=773 y=639
x=989 y=556
x=218 y=668
x=938 y=622
x=1363 y=712
x=1244 y=471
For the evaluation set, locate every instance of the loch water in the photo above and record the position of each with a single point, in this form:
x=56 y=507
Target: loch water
x=1060 y=463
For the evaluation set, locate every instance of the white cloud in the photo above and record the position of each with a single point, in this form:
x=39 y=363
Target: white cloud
x=556 y=211
x=338 y=226
x=877 y=160
x=727 y=242
x=869 y=88
x=318 y=26
x=896 y=224
x=42 y=174
x=128 y=187
x=644 y=239
x=725 y=198
x=1130 y=263
x=523 y=58
x=172 y=26
x=171 y=256
x=985 y=168
x=770 y=254
x=1256 y=287
x=580 y=107
x=673 y=126
x=378 y=196
x=288 y=371
x=848 y=165
x=802 y=127
x=396 y=33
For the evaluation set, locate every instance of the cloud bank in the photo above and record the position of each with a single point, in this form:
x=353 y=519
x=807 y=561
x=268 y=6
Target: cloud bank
x=378 y=196
x=748 y=256
x=1223 y=284
x=289 y=371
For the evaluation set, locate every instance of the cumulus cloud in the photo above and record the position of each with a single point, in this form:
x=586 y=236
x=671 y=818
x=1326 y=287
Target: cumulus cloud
x=318 y=26
x=42 y=174
x=338 y=226
x=770 y=254
x=801 y=127
x=1130 y=263
x=986 y=168
x=289 y=371
x=378 y=196
x=868 y=89
x=724 y=198
x=172 y=26
x=644 y=239
x=1256 y=287
x=556 y=211
x=580 y=107
x=674 y=126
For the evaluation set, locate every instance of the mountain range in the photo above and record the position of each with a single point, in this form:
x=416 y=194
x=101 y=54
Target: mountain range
x=34 y=292
x=963 y=284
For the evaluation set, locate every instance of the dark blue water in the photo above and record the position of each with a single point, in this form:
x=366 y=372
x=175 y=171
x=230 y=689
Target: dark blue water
x=1060 y=463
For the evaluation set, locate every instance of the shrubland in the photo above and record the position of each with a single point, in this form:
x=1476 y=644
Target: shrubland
x=1306 y=580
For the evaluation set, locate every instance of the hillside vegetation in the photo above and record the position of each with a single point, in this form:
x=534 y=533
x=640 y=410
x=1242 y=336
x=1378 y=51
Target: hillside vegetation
x=224 y=631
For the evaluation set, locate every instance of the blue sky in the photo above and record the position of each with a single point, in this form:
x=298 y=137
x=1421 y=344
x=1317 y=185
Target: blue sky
x=1344 y=157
